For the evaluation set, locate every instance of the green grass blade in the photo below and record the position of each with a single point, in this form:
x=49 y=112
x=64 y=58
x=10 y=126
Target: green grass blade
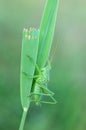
x=47 y=31
x=29 y=49
x=23 y=120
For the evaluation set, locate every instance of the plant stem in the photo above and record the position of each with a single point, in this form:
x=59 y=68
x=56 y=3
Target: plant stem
x=23 y=119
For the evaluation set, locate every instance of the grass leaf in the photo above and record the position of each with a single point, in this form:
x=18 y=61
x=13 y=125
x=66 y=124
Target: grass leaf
x=28 y=61
x=46 y=32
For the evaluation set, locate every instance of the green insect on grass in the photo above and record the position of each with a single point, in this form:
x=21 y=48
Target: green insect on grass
x=35 y=66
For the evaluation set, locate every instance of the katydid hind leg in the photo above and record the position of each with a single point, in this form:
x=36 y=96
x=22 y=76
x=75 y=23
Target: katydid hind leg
x=44 y=102
x=46 y=90
x=43 y=94
x=50 y=102
x=40 y=94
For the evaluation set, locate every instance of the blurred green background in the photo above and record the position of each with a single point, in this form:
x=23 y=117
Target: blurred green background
x=68 y=74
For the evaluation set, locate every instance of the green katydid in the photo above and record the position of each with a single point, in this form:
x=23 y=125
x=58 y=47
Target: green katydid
x=39 y=87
